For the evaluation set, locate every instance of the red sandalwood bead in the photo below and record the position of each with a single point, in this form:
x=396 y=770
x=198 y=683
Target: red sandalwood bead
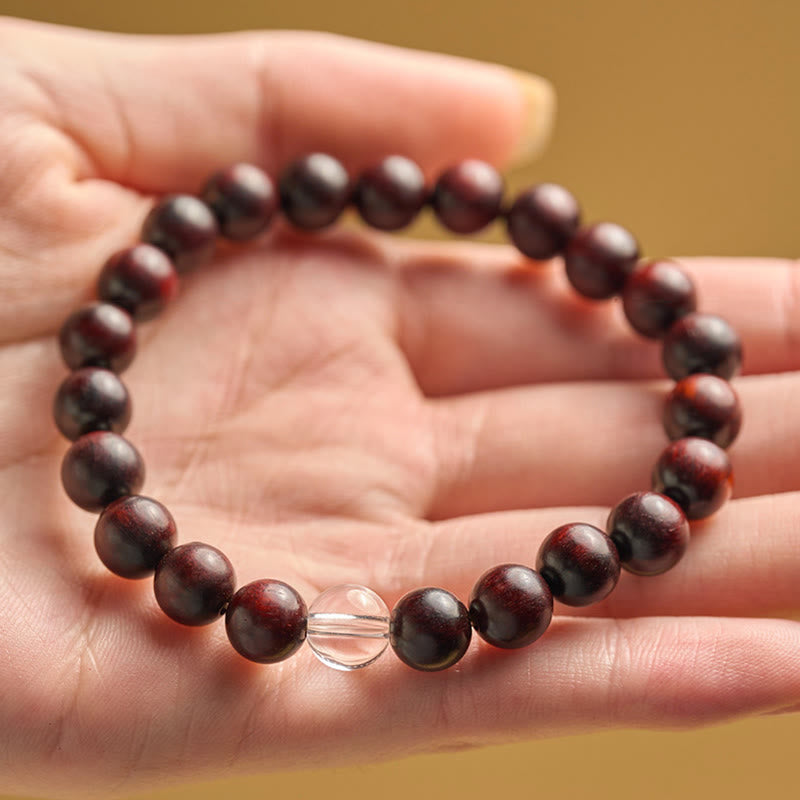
x=184 y=228
x=655 y=295
x=599 y=258
x=98 y=335
x=99 y=468
x=705 y=406
x=650 y=531
x=390 y=194
x=266 y=621
x=133 y=534
x=580 y=564
x=702 y=343
x=140 y=279
x=511 y=606
x=430 y=629
x=468 y=196
x=542 y=220
x=194 y=583
x=91 y=399
x=243 y=199
x=314 y=191
x=696 y=474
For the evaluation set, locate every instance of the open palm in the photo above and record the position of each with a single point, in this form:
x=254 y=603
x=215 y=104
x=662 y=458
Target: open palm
x=347 y=408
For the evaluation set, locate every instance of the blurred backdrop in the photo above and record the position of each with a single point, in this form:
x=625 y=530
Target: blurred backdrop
x=679 y=120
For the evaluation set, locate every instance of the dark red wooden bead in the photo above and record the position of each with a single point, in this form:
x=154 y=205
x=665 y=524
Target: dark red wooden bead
x=655 y=295
x=702 y=343
x=650 y=531
x=430 y=629
x=91 y=399
x=140 y=279
x=468 y=196
x=243 y=199
x=133 y=534
x=184 y=228
x=194 y=583
x=542 y=220
x=705 y=406
x=599 y=258
x=696 y=474
x=314 y=191
x=98 y=335
x=580 y=564
x=511 y=606
x=99 y=468
x=266 y=621
x=390 y=194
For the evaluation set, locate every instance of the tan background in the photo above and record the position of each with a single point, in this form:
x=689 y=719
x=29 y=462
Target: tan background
x=679 y=119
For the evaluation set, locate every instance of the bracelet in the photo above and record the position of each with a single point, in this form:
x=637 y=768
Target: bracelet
x=350 y=626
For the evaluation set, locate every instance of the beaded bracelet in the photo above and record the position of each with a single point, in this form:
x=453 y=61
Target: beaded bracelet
x=349 y=626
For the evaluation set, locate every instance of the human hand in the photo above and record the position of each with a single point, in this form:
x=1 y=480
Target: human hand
x=345 y=407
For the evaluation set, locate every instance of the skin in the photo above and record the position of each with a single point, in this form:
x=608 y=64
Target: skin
x=348 y=407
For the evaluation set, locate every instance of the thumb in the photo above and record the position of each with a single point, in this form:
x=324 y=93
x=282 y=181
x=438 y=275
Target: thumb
x=159 y=113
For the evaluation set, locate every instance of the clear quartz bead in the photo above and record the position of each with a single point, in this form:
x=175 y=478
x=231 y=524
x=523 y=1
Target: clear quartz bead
x=348 y=627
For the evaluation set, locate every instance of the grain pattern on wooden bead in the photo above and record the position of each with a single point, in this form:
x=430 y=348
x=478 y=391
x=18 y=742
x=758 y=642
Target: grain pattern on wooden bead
x=510 y=606
x=133 y=534
x=266 y=621
x=599 y=258
x=390 y=194
x=650 y=531
x=579 y=562
x=696 y=474
x=194 y=583
x=705 y=406
x=99 y=468
x=430 y=629
x=91 y=399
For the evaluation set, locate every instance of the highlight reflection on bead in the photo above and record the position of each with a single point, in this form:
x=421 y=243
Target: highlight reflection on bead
x=348 y=627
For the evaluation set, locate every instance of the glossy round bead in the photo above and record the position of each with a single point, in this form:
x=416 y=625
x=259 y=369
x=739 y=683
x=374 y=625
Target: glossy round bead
x=702 y=343
x=468 y=196
x=314 y=191
x=266 y=621
x=430 y=629
x=655 y=295
x=133 y=534
x=705 y=406
x=650 y=531
x=194 y=583
x=100 y=467
x=580 y=564
x=243 y=200
x=696 y=474
x=91 y=399
x=184 y=228
x=140 y=279
x=542 y=220
x=348 y=627
x=599 y=258
x=98 y=335
x=389 y=195
x=510 y=606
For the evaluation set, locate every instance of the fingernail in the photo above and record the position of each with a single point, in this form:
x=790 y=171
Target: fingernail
x=537 y=118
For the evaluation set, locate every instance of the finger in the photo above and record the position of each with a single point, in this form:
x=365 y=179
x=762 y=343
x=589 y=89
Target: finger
x=474 y=318
x=159 y=113
x=588 y=443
